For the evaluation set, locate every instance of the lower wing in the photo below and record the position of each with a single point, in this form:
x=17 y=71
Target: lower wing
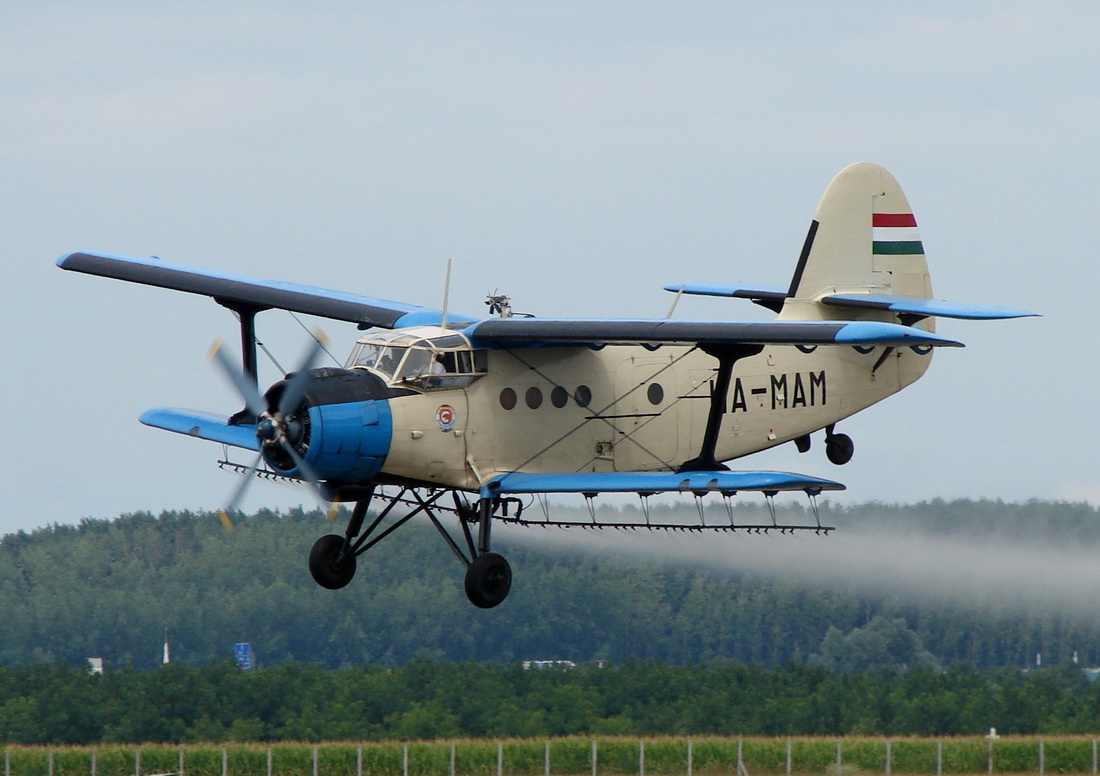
x=646 y=483
x=202 y=425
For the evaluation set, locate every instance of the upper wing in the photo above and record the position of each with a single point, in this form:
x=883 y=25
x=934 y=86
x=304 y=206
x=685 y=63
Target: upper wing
x=233 y=290
x=655 y=482
x=534 y=332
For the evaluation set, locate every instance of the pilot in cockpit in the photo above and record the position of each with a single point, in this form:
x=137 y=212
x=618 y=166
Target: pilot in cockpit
x=387 y=363
x=435 y=369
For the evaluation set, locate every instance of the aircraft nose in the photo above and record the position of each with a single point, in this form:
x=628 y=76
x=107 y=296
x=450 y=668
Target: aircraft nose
x=344 y=426
x=350 y=440
x=267 y=430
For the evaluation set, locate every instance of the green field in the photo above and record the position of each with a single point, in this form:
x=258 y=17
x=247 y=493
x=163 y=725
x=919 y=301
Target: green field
x=573 y=756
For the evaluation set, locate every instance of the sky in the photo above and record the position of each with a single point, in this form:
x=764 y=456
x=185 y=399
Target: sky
x=576 y=156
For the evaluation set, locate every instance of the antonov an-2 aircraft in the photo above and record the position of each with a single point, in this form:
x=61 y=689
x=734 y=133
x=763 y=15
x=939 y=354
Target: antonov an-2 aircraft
x=488 y=410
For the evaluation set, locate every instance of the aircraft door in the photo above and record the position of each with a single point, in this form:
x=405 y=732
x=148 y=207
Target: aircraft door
x=645 y=416
x=429 y=439
x=451 y=418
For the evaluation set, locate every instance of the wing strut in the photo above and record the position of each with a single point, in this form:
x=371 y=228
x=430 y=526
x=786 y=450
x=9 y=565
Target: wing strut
x=249 y=363
x=727 y=356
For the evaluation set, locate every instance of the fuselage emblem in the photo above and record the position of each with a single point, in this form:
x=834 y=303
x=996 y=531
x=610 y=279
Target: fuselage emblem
x=445 y=417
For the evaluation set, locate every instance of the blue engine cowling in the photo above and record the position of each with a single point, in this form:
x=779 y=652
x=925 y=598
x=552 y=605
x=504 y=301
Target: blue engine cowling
x=341 y=428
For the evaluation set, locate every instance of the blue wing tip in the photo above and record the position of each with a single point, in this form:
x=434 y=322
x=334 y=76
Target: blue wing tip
x=877 y=332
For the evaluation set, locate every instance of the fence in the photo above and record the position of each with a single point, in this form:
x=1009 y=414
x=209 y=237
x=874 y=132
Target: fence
x=573 y=757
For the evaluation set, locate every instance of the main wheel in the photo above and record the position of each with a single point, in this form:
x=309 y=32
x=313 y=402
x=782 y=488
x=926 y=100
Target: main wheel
x=328 y=565
x=839 y=448
x=488 y=580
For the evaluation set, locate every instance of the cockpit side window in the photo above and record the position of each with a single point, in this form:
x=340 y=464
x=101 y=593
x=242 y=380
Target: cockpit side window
x=472 y=362
x=417 y=363
x=448 y=363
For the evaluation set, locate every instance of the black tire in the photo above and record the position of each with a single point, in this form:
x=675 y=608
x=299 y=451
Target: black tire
x=488 y=580
x=839 y=449
x=329 y=570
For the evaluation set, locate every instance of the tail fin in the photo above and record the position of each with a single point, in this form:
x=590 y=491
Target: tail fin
x=863 y=259
x=863 y=239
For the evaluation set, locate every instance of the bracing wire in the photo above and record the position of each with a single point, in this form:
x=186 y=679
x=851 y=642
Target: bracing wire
x=267 y=353
x=316 y=339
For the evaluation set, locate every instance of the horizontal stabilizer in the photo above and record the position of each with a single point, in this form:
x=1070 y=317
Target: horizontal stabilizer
x=537 y=332
x=911 y=305
x=655 y=482
x=236 y=290
x=771 y=297
x=203 y=425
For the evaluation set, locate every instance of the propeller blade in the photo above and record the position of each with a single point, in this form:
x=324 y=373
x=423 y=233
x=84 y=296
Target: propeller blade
x=309 y=476
x=238 y=494
x=296 y=386
x=246 y=481
x=245 y=387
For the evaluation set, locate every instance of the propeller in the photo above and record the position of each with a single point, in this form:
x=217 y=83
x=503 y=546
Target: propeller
x=244 y=386
x=274 y=422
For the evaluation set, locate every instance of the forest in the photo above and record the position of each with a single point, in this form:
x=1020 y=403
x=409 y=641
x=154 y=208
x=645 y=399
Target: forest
x=940 y=618
x=57 y=704
x=953 y=583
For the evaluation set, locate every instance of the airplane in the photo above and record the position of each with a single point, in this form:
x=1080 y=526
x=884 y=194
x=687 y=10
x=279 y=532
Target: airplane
x=496 y=410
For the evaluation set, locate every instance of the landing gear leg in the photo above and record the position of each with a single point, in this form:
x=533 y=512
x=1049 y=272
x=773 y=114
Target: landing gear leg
x=488 y=577
x=838 y=447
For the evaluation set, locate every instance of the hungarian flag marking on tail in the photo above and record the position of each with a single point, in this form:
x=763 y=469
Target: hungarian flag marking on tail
x=895 y=234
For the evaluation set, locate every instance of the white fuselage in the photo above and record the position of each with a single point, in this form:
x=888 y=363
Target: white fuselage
x=629 y=408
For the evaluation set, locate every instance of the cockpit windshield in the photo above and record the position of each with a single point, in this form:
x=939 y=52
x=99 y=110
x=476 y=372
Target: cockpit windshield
x=444 y=360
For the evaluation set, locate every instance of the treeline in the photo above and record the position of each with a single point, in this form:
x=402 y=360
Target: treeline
x=57 y=704
x=110 y=588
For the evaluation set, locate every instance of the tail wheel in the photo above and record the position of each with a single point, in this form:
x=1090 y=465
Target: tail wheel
x=488 y=580
x=328 y=564
x=839 y=448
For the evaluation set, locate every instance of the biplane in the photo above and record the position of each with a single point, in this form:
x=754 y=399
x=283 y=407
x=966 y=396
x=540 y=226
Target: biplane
x=449 y=416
